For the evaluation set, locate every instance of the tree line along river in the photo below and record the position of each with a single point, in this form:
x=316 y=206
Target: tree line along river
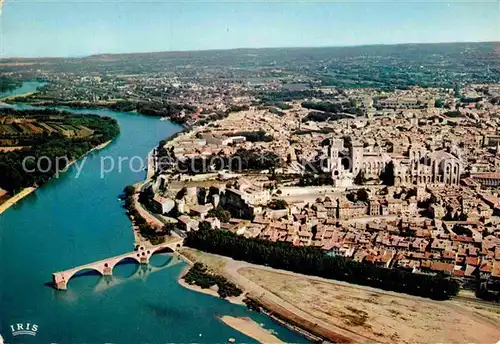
x=72 y=221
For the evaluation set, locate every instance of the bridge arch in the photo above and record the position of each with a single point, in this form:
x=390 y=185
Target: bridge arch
x=156 y=251
x=162 y=249
x=122 y=261
x=81 y=272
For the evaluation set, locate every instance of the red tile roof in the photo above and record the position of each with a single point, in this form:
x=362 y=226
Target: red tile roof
x=472 y=261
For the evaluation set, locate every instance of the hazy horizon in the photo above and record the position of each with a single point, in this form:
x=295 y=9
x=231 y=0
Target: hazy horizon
x=244 y=48
x=73 y=28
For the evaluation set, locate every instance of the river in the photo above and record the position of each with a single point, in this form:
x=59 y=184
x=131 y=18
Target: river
x=71 y=221
x=26 y=87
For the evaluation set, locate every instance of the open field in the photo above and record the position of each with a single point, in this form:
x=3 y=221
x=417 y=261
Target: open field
x=352 y=313
x=215 y=263
x=380 y=316
x=484 y=308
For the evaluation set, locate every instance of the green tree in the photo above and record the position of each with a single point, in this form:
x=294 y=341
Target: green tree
x=202 y=277
x=168 y=228
x=314 y=261
x=204 y=226
x=52 y=146
x=129 y=190
x=439 y=103
x=220 y=213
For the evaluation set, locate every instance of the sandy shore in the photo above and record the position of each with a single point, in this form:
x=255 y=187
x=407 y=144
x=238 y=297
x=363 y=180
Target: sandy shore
x=193 y=287
x=250 y=328
x=96 y=148
x=101 y=146
x=17 y=96
x=208 y=291
x=350 y=313
x=364 y=314
x=16 y=198
x=26 y=191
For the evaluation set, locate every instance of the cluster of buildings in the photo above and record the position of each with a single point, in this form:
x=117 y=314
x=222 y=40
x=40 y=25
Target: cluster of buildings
x=91 y=89
x=439 y=215
x=435 y=230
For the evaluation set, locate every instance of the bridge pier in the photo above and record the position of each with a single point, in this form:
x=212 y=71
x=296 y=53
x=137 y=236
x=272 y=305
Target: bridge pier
x=59 y=282
x=61 y=286
x=107 y=271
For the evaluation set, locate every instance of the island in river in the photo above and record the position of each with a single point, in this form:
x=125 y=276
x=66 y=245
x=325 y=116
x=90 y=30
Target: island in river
x=36 y=145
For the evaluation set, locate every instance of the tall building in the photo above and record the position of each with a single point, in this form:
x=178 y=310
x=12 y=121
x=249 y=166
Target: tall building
x=357 y=157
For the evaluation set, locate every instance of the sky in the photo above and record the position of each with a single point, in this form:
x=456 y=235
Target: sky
x=74 y=28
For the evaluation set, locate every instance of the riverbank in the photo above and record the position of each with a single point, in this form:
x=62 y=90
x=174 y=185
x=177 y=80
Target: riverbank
x=284 y=316
x=27 y=191
x=319 y=308
x=250 y=328
x=99 y=147
x=112 y=105
x=27 y=94
x=208 y=291
x=96 y=148
x=16 y=198
x=342 y=312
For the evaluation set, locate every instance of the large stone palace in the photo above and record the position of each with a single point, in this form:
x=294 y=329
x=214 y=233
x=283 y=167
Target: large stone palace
x=418 y=166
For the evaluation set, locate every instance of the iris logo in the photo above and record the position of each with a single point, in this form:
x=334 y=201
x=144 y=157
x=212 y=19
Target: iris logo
x=24 y=329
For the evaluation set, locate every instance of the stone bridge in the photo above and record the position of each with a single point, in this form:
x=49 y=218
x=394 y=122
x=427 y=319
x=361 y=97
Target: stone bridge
x=141 y=255
x=141 y=273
